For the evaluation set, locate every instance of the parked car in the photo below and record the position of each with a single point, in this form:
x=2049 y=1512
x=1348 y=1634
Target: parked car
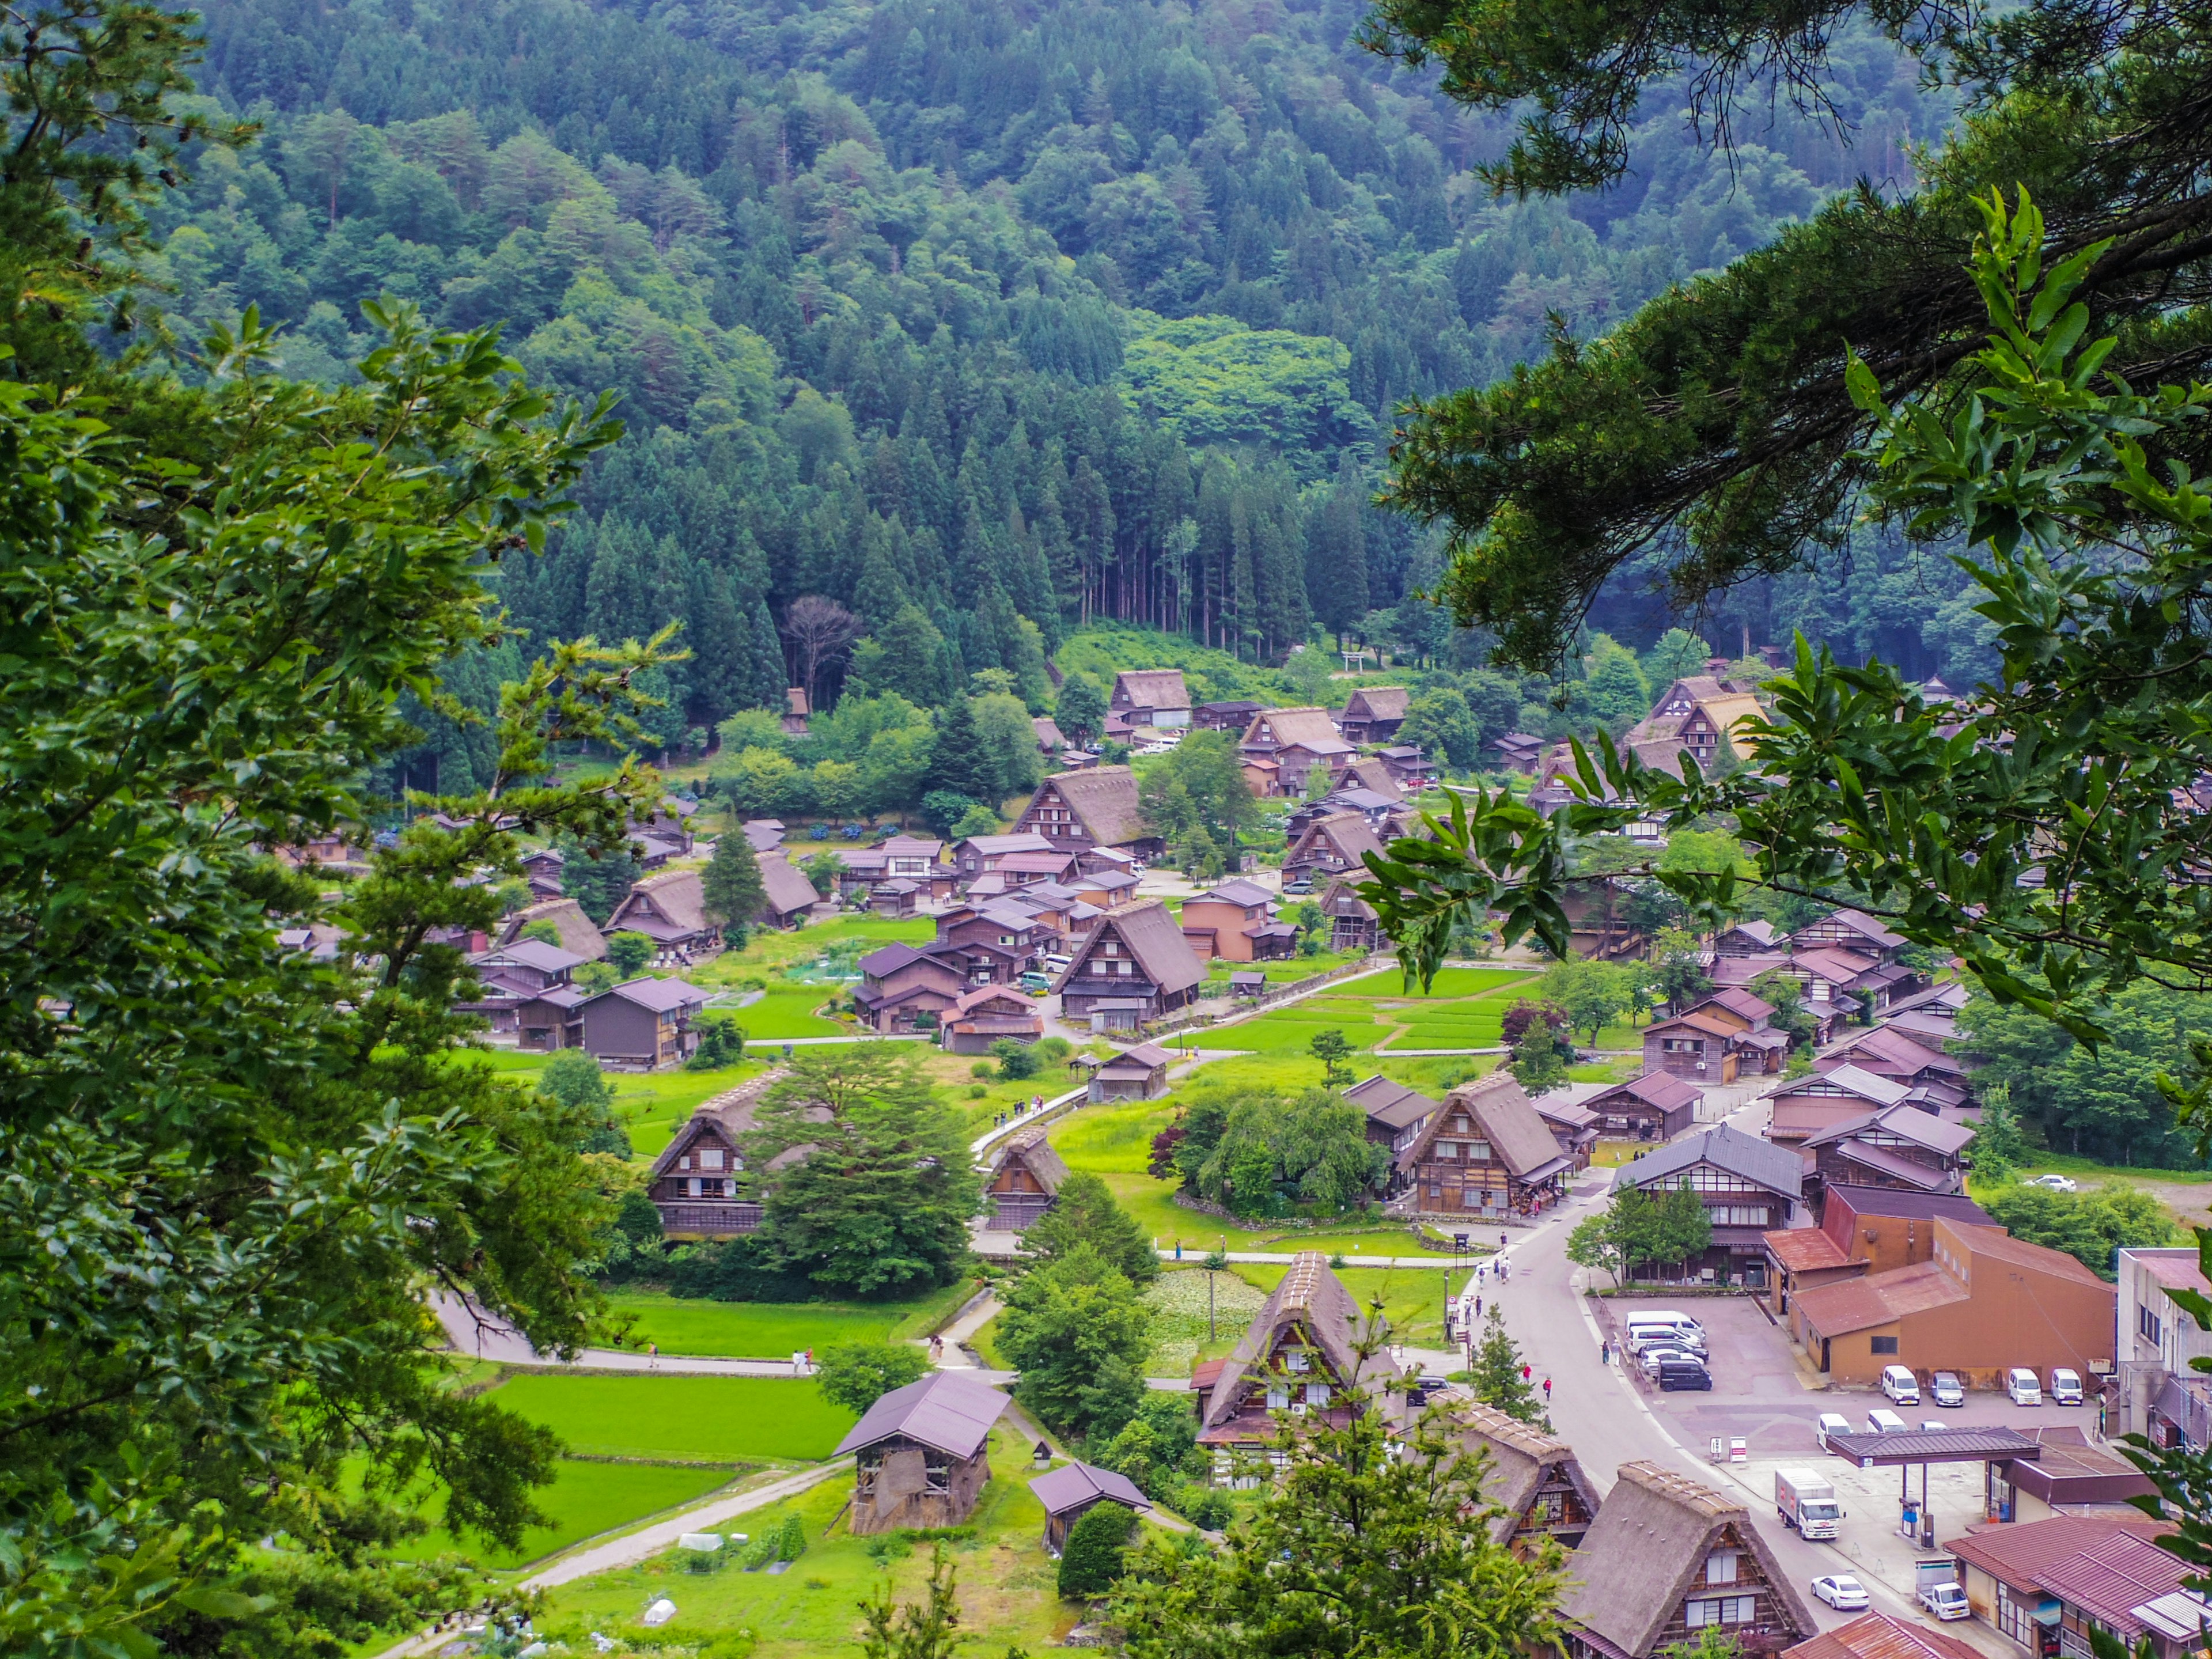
x=1660 y=1336
x=1929 y=1422
x=1902 y=1387
x=1842 y=1591
x=2056 y=1183
x=1056 y=964
x=2065 y=1387
x=1946 y=1389
x=2022 y=1386
x=1946 y=1600
x=1037 y=985
x=1653 y=1358
x=1829 y=1423
x=1885 y=1422
x=1684 y=1374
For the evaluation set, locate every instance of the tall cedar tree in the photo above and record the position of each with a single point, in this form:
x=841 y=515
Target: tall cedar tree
x=1364 y=1544
x=875 y=1199
x=1083 y=1213
x=731 y=884
x=958 y=763
x=1496 y=1379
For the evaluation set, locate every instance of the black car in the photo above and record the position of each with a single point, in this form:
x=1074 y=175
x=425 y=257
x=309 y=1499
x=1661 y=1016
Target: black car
x=1684 y=1374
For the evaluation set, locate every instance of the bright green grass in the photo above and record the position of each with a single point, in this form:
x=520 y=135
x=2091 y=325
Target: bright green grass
x=1006 y=1581
x=773 y=1330
x=1286 y=970
x=1451 y=983
x=703 y=1418
x=788 y=1011
x=1290 y=1030
x=769 y=949
x=584 y=1500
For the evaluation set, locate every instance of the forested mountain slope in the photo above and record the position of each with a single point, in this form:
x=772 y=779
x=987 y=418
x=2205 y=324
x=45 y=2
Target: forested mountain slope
x=978 y=320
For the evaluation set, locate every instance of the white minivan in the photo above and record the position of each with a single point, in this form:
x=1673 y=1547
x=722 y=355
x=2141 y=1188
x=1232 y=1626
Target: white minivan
x=1902 y=1387
x=2065 y=1387
x=1885 y=1422
x=2020 y=1384
x=1829 y=1423
x=1667 y=1320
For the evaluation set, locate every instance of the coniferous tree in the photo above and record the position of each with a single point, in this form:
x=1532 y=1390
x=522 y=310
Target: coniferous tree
x=1496 y=1376
x=1083 y=1213
x=959 y=764
x=731 y=884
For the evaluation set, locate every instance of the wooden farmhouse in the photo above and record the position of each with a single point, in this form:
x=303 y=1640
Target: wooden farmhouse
x=1395 y=1116
x=1374 y=714
x=1329 y=847
x=694 y=1183
x=1296 y=1359
x=900 y=985
x=1134 y=966
x=1282 y=745
x=1485 y=1152
x=1896 y=1146
x=671 y=910
x=1078 y=810
x=1352 y=923
x=1234 y=921
x=1150 y=696
x=1137 y=1074
x=580 y=935
x=1534 y=1479
x=990 y=1014
x=1668 y=1559
x=922 y=1453
x=643 y=1024
x=789 y=895
x=1695 y=716
x=1653 y=1107
x=1024 y=1177
x=1070 y=1494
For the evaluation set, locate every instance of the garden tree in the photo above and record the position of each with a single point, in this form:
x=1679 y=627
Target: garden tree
x=1157 y=1449
x=210 y=627
x=2105 y=1101
x=1365 y=1544
x=1080 y=711
x=1525 y=1016
x=1445 y=728
x=1331 y=1049
x=1632 y=1228
x=1199 y=784
x=1682 y=1228
x=1998 y=1145
x=1784 y=992
x=721 y=1042
x=1615 y=688
x=1083 y=1212
x=1592 y=1243
x=976 y=820
x=1008 y=742
x=1496 y=1374
x=821 y=631
x=928 y=1629
x=1536 y=1063
x=630 y=953
x=1076 y=1331
x=822 y=869
x=1678 y=967
x=2087 y=1225
x=855 y=1375
x=1678 y=655
x=1092 y=1560
x=1591 y=994
x=877 y=1204
x=597 y=879
x=1017 y=1060
x=1314 y=1144
x=572 y=1078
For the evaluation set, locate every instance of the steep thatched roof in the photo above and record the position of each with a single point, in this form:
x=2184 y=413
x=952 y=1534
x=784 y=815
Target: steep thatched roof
x=1520 y=1453
x=1310 y=1306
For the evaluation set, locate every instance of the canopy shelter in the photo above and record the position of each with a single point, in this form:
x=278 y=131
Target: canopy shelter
x=1926 y=1446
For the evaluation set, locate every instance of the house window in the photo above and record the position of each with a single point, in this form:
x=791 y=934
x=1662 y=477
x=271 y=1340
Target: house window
x=1479 y=1151
x=1448 y=1149
x=711 y=1159
x=1882 y=1344
x=1720 y=1567
x=1279 y=1396
x=2150 y=1325
x=1316 y=1394
x=693 y=1187
x=1722 y=1610
x=1295 y=1360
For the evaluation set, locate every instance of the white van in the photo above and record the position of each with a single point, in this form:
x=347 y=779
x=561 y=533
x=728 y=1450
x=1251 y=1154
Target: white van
x=1902 y=1387
x=1829 y=1423
x=2020 y=1384
x=1678 y=1325
x=1885 y=1422
x=2065 y=1387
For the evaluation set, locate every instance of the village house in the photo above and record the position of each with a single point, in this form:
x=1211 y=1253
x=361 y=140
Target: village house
x=1896 y=1146
x=1098 y=808
x=1697 y=716
x=1352 y=923
x=1370 y=773
x=1410 y=770
x=1299 y=1356
x=1748 y=1188
x=990 y=1014
x=1748 y=939
x=1137 y=1074
x=1282 y=745
x=1982 y=1302
x=671 y=910
x=644 y=1024
x=1049 y=740
x=1231 y=716
x=1849 y=930
x=2046 y=1584
x=1485 y=1152
x=1916 y=1061
x=1654 y=1107
x=1710 y=1047
x=1394 y=1116
x=897 y=899
x=1072 y=1491
x=1150 y=696
x=922 y=1455
x=1539 y=1486
x=1519 y=752
x=2162 y=1396
x=580 y=935
x=1816 y=1104
x=1022 y=1180
x=694 y=1182
x=1106 y=888
x=995 y=941
x=1372 y=714
x=789 y=893
x=543 y=870
x=979 y=853
x=1332 y=846
x=670 y=822
x=1574 y=1127
x=1134 y=968
x=1752 y=1013
x=796 y=710
x=764 y=834
x=904 y=988
x=1234 y=921
x=1668 y=1559
x=1862 y=1230
x=1880 y=1636
x=512 y=974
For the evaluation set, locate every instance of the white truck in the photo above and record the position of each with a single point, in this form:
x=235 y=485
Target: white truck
x=1807 y=1502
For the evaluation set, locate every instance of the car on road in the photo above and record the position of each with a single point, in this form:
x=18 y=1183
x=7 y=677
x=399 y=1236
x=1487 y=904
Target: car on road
x=1946 y=1389
x=1841 y=1592
x=1684 y=1374
x=1037 y=985
x=1946 y=1600
x=1902 y=1387
x=2065 y=1387
x=2022 y=1388
x=1882 y=1422
x=1829 y=1423
x=2056 y=1183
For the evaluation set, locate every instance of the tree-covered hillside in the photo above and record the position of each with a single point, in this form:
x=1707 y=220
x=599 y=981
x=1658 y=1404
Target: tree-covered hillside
x=977 y=321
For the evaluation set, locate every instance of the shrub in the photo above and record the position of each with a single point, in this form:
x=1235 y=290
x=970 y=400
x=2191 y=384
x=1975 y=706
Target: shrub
x=855 y=1375
x=1092 y=1559
x=1016 y=1060
x=630 y=953
x=1205 y=1506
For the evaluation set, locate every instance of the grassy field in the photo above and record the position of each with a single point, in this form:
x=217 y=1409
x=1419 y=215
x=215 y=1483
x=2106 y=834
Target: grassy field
x=772 y=1330
x=1006 y=1581
x=584 y=1500
x=723 y=1419
x=771 y=950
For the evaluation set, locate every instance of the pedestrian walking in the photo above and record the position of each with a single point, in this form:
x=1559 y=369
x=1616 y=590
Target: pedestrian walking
x=1604 y=1353
x=1525 y=1369
x=810 y=1365
x=1478 y=1307
x=1547 y=1391
x=797 y=1362
x=652 y=1356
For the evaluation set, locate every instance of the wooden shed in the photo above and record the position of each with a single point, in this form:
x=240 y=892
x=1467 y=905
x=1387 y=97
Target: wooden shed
x=923 y=1453
x=1024 y=1178
x=1070 y=1494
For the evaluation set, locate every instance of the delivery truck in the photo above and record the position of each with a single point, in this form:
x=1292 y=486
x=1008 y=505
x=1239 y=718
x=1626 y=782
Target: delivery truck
x=1806 y=1502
